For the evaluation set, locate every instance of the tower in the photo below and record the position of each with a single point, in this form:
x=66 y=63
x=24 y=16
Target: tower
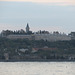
x=27 y=28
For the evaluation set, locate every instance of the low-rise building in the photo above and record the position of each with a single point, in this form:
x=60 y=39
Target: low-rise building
x=19 y=37
x=52 y=37
x=72 y=35
x=6 y=55
x=48 y=37
x=23 y=50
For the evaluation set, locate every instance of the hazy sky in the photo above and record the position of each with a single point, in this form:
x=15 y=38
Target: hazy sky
x=51 y=15
x=43 y=0
x=67 y=2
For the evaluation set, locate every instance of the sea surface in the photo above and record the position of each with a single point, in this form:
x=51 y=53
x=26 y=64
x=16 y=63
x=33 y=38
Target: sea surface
x=37 y=68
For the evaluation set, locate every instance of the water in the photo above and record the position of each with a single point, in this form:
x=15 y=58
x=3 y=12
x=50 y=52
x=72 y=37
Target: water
x=37 y=68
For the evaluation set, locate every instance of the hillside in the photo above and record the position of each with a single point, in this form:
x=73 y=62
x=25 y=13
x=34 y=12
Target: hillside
x=23 y=49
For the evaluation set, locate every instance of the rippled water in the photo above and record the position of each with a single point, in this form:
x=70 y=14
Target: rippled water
x=37 y=68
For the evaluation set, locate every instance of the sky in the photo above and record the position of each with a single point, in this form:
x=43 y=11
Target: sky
x=50 y=15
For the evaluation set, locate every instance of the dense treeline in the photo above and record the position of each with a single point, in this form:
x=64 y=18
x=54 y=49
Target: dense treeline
x=10 y=32
x=63 y=47
x=4 y=42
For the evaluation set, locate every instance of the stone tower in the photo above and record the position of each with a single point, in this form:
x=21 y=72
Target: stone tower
x=27 y=28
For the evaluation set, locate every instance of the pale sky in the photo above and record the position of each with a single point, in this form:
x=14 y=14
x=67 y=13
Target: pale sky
x=68 y=2
x=42 y=0
x=55 y=15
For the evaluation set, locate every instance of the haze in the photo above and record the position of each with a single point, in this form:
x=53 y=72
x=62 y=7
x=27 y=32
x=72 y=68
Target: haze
x=51 y=15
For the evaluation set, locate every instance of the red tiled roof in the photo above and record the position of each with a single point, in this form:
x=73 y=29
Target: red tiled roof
x=45 y=48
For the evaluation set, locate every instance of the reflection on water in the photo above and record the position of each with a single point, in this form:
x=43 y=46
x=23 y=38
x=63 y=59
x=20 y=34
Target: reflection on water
x=37 y=68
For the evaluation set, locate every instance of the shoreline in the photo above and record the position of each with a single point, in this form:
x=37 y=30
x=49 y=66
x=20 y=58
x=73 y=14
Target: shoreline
x=36 y=60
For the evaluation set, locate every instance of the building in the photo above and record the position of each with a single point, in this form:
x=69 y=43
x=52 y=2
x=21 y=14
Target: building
x=52 y=37
x=43 y=35
x=6 y=55
x=44 y=48
x=27 y=28
x=19 y=37
x=72 y=35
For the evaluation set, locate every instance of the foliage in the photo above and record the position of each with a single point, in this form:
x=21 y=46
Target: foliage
x=63 y=47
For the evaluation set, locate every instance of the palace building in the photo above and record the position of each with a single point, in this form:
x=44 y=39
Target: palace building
x=43 y=36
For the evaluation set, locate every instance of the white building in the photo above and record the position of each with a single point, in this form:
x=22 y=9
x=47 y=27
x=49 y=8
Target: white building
x=52 y=37
x=48 y=37
x=55 y=36
x=19 y=37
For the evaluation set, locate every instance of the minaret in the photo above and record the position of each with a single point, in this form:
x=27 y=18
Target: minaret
x=27 y=28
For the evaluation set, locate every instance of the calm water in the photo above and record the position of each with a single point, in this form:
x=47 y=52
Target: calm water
x=37 y=68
